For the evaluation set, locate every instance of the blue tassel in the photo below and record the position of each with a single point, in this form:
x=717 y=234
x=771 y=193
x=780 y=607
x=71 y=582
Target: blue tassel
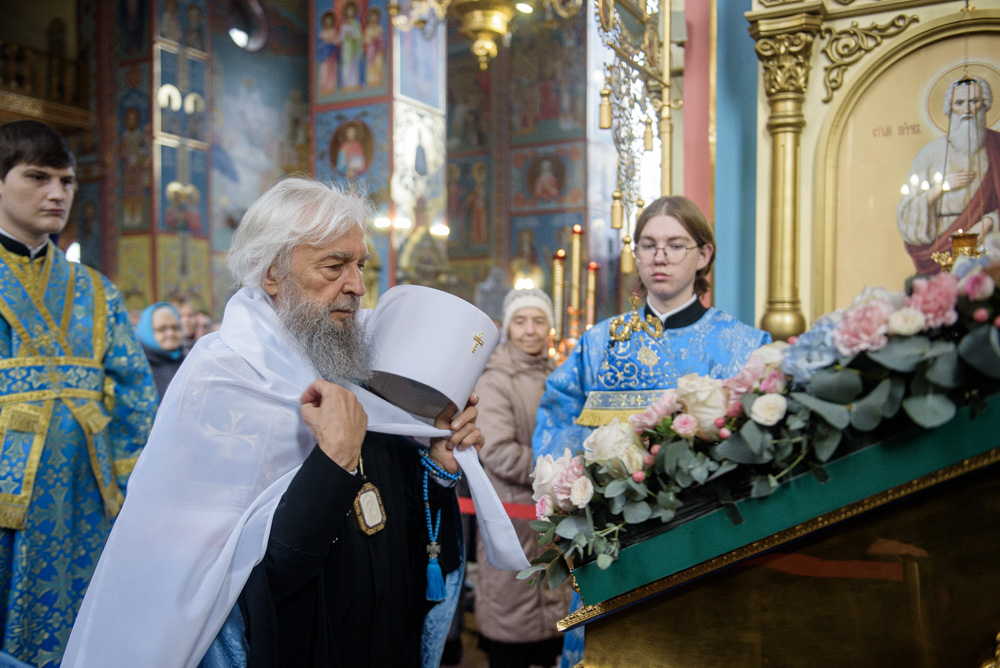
x=435 y=582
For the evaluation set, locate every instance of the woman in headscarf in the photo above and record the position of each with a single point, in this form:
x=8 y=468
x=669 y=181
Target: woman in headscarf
x=159 y=330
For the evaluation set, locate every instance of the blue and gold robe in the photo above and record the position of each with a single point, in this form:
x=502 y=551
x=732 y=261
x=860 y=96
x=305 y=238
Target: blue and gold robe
x=77 y=401
x=603 y=379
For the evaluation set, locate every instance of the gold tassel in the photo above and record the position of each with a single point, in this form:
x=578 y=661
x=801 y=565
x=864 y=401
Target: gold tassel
x=617 y=210
x=627 y=262
x=92 y=418
x=109 y=394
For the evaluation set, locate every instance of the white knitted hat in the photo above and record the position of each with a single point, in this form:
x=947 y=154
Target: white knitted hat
x=515 y=300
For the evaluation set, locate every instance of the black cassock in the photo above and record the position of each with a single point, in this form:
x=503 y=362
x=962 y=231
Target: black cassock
x=326 y=594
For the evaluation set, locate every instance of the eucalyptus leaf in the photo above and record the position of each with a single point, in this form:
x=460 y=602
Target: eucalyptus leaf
x=837 y=386
x=571 y=525
x=754 y=437
x=637 y=490
x=724 y=468
x=672 y=453
x=929 y=410
x=557 y=573
x=835 y=414
x=736 y=448
x=897 y=390
x=540 y=526
x=761 y=487
x=902 y=354
x=530 y=571
x=945 y=371
x=637 y=512
x=826 y=441
x=616 y=487
x=616 y=504
x=981 y=349
x=782 y=448
x=663 y=514
x=866 y=413
x=604 y=561
x=668 y=500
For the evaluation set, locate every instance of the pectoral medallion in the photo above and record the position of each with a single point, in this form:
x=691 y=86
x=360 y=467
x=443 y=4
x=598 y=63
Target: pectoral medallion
x=369 y=510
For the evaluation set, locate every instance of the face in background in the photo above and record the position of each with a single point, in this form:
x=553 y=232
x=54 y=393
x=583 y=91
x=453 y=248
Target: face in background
x=166 y=330
x=203 y=325
x=35 y=201
x=189 y=320
x=669 y=284
x=529 y=330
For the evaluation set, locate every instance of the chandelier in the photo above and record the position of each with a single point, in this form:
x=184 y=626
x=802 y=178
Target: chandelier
x=485 y=22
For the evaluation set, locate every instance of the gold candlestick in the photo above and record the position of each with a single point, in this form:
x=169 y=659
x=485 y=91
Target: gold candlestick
x=574 y=282
x=591 y=294
x=558 y=298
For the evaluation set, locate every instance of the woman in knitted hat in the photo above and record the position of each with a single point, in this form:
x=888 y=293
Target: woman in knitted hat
x=517 y=623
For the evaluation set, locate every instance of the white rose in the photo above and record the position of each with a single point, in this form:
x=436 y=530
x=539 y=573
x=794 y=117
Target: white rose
x=582 y=492
x=706 y=399
x=906 y=321
x=547 y=472
x=771 y=355
x=768 y=409
x=614 y=441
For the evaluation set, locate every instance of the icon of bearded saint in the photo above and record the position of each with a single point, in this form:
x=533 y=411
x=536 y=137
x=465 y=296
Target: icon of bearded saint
x=954 y=181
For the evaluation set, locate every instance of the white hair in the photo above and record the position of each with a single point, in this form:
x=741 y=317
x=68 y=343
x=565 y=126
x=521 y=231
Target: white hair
x=293 y=212
x=985 y=92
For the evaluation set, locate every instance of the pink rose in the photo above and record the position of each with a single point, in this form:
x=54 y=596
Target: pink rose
x=981 y=314
x=935 y=298
x=746 y=380
x=977 y=286
x=863 y=328
x=544 y=507
x=665 y=405
x=685 y=425
x=774 y=382
x=564 y=483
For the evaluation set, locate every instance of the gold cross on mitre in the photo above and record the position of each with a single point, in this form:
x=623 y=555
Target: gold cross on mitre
x=478 y=338
x=623 y=331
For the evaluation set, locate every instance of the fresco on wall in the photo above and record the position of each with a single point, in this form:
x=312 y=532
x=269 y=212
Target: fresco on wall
x=132 y=30
x=195 y=108
x=134 y=129
x=470 y=273
x=135 y=280
x=418 y=164
x=331 y=134
x=183 y=184
x=85 y=223
x=351 y=50
x=549 y=82
x=182 y=268
x=260 y=129
x=468 y=90
x=534 y=240
x=547 y=177
x=470 y=205
x=180 y=98
x=420 y=62
x=182 y=23
x=169 y=103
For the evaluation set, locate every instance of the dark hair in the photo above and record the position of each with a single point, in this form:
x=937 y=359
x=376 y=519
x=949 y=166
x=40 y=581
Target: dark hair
x=32 y=143
x=693 y=220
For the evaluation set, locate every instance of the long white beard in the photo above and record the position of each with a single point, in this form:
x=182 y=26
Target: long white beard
x=339 y=351
x=967 y=135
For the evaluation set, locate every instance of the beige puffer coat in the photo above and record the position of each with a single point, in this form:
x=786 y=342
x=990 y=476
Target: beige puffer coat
x=510 y=389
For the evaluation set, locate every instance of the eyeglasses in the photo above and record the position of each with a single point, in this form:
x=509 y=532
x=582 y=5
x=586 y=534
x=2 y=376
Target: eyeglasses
x=645 y=251
x=167 y=328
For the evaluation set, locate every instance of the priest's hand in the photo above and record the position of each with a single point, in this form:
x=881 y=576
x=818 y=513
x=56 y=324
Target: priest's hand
x=464 y=435
x=337 y=420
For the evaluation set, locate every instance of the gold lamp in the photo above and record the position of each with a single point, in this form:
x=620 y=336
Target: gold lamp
x=485 y=22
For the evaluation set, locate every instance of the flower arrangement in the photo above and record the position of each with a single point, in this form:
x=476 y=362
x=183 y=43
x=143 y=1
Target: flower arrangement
x=911 y=355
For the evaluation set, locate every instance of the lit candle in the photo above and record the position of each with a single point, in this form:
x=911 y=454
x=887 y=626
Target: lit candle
x=558 y=298
x=574 y=282
x=591 y=294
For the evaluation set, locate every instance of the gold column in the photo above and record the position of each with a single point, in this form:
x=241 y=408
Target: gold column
x=784 y=47
x=666 y=128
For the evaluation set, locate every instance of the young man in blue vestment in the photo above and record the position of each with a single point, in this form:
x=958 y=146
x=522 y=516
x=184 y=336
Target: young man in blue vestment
x=621 y=365
x=77 y=401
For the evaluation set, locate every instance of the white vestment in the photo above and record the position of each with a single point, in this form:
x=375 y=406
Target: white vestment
x=227 y=440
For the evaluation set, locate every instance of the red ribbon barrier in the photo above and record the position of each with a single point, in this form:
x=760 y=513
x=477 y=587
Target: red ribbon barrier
x=516 y=511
